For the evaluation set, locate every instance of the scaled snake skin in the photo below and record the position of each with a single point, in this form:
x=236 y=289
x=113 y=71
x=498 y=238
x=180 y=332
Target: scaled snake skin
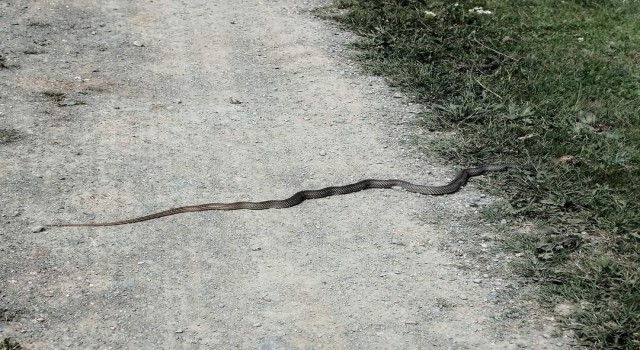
x=458 y=181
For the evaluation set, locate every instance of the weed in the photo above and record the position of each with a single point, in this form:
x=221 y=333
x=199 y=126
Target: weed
x=8 y=135
x=9 y=344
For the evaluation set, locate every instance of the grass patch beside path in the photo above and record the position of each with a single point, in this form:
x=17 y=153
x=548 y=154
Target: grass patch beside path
x=9 y=344
x=551 y=84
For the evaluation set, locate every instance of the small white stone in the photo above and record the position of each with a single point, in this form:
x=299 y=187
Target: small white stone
x=37 y=229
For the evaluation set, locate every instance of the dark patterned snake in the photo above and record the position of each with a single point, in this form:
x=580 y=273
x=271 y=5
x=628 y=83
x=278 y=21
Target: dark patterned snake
x=460 y=180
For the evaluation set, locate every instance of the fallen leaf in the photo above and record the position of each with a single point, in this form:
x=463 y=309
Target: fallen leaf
x=525 y=137
x=563 y=159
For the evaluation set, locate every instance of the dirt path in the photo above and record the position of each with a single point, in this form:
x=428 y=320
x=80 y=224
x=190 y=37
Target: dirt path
x=112 y=109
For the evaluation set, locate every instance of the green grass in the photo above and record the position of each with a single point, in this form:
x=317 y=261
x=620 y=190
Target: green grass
x=555 y=86
x=9 y=344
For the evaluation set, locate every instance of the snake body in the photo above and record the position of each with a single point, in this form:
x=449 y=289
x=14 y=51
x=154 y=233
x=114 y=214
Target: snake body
x=458 y=181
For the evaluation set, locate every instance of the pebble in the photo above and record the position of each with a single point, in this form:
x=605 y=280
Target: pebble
x=180 y=331
x=477 y=280
x=323 y=153
x=138 y=43
x=463 y=297
x=67 y=103
x=257 y=324
x=37 y=229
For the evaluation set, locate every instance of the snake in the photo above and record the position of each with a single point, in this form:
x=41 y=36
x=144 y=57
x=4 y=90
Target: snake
x=453 y=186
